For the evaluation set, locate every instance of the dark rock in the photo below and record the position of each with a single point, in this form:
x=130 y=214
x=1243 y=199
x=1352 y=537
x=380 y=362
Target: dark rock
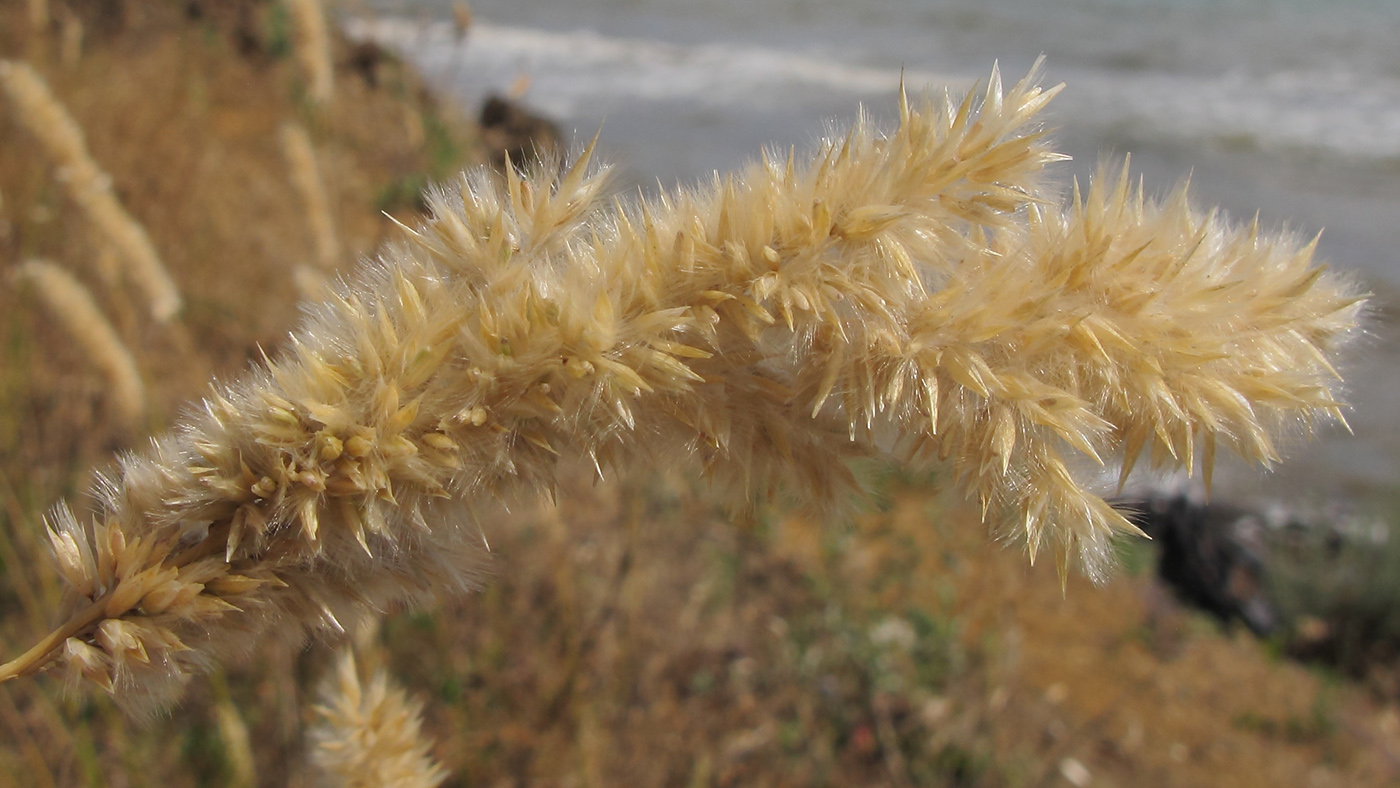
x=508 y=130
x=1213 y=557
x=366 y=58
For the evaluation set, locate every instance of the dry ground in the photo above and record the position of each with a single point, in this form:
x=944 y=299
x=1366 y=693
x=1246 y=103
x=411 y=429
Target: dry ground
x=631 y=635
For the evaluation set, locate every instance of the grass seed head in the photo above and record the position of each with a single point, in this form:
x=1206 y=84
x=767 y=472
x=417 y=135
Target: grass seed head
x=915 y=292
x=371 y=735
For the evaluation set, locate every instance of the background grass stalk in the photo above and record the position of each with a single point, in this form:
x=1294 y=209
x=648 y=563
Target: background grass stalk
x=370 y=734
x=74 y=309
x=313 y=49
x=306 y=177
x=61 y=138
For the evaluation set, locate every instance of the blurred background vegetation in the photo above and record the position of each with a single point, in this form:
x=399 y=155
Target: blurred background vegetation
x=631 y=634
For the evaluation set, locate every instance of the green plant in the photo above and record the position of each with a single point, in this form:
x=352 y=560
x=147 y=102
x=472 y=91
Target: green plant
x=1339 y=592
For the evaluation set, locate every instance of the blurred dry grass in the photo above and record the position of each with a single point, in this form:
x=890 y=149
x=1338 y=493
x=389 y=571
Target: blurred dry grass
x=631 y=636
x=635 y=638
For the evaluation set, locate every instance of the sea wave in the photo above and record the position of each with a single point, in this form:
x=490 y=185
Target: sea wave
x=580 y=74
x=571 y=70
x=1334 y=112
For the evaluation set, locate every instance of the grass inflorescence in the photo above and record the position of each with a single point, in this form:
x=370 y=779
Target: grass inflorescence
x=368 y=734
x=920 y=294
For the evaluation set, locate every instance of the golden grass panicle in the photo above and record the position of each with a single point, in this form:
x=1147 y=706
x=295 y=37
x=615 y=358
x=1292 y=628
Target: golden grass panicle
x=61 y=138
x=1117 y=328
x=915 y=293
x=313 y=49
x=73 y=308
x=306 y=177
x=371 y=736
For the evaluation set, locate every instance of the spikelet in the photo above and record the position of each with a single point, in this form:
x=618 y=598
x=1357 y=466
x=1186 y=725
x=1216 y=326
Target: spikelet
x=73 y=308
x=306 y=177
x=916 y=294
x=313 y=49
x=371 y=736
x=91 y=188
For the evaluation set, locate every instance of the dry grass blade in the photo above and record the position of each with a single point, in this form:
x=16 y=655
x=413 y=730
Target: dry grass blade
x=71 y=39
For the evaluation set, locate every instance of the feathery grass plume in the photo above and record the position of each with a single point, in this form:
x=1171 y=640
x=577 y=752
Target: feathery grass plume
x=108 y=267
x=1121 y=327
x=73 y=308
x=371 y=736
x=306 y=176
x=313 y=49
x=914 y=293
x=62 y=140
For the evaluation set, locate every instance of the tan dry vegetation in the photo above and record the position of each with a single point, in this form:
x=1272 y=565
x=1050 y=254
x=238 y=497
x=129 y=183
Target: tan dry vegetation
x=368 y=733
x=630 y=636
x=215 y=197
x=72 y=308
x=306 y=175
x=636 y=637
x=180 y=104
x=313 y=49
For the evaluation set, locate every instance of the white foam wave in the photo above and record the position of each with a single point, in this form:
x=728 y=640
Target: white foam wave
x=573 y=69
x=575 y=73
x=1336 y=112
